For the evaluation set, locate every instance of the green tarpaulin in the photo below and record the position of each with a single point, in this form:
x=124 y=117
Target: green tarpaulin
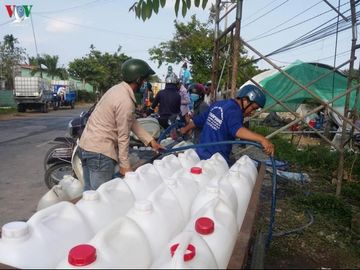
x=326 y=88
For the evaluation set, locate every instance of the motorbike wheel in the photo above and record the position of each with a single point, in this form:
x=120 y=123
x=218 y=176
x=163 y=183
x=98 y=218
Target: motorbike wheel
x=50 y=152
x=55 y=173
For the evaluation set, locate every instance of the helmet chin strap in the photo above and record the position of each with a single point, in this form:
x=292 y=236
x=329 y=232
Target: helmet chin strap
x=242 y=105
x=138 y=80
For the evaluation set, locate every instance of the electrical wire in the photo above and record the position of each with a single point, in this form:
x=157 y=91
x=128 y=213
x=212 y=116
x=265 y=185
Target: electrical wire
x=268 y=32
x=268 y=12
x=84 y=5
x=319 y=33
x=292 y=26
x=310 y=37
x=260 y=9
x=102 y=29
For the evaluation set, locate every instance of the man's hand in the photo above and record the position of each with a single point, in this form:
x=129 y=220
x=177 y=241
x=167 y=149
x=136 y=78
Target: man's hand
x=187 y=128
x=268 y=147
x=156 y=146
x=124 y=170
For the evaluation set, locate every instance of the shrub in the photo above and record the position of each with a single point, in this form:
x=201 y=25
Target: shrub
x=85 y=96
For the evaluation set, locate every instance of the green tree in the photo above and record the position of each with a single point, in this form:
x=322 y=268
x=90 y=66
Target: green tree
x=102 y=70
x=193 y=42
x=144 y=8
x=10 y=57
x=49 y=64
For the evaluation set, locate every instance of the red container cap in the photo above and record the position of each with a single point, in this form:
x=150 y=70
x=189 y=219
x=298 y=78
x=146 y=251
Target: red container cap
x=196 y=170
x=82 y=255
x=204 y=225
x=190 y=251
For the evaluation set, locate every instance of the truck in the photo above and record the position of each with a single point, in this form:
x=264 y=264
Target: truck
x=32 y=93
x=63 y=94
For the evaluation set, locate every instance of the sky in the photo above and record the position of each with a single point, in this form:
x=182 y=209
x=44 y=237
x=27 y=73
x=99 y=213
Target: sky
x=67 y=28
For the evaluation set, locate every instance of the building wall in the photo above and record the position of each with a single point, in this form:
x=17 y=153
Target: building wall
x=7 y=99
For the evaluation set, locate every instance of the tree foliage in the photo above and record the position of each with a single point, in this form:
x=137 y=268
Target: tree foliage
x=144 y=8
x=10 y=56
x=49 y=64
x=193 y=42
x=102 y=70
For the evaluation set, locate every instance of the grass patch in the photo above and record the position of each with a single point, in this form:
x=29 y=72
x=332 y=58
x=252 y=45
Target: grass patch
x=351 y=192
x=7 y=110
x=330 y=241
x=328 y=205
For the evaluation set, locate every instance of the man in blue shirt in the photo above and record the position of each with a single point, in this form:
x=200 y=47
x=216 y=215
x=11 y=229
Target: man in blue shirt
x=168 y=99
x=224 y=121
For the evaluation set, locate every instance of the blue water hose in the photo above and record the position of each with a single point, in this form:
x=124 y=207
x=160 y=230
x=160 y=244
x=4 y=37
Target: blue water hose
x=273 y=179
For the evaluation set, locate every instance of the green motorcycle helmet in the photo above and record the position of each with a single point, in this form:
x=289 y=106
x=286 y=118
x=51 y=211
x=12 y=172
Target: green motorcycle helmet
x=133 y=70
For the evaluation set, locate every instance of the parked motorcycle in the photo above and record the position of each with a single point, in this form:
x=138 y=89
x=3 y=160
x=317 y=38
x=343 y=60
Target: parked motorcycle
x=57 y=160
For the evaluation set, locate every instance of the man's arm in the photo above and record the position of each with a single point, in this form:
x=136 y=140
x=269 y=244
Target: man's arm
x=246 y=134
x=187 y=128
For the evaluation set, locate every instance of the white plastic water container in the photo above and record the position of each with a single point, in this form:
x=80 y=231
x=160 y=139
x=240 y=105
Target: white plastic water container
x=45 y=238
x=188 y=159
x=143 y=181
x=122 y=244
x=54 y=195
x=246 y=167
x=152 y=223
x=72 y=186
x=197 y=173
x=97 y=210
x=167 y=165
x=185 y=190
x=186 y=251
x=216 y=189
x=69 y=188
x=218 y=162
x=160 y=217
x=216 y=224
x=165 y=201
x=118 y=194
x=242 y=178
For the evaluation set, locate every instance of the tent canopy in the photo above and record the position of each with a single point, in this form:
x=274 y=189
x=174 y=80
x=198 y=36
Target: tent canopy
x=326 y=88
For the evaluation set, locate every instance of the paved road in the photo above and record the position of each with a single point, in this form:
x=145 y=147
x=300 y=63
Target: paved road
x=24 y=141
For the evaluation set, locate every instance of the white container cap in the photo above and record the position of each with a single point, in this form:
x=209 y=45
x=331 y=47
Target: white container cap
x=90 y=195
x=15 y=230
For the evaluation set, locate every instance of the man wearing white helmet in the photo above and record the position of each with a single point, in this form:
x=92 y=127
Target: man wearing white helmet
x=168 y=99
x=224 y=122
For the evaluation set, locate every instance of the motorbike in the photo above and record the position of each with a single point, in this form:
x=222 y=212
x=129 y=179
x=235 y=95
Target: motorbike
x=57 y=160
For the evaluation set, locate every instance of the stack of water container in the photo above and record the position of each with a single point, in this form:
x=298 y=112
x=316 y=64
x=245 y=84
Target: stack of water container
x=179 y=212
